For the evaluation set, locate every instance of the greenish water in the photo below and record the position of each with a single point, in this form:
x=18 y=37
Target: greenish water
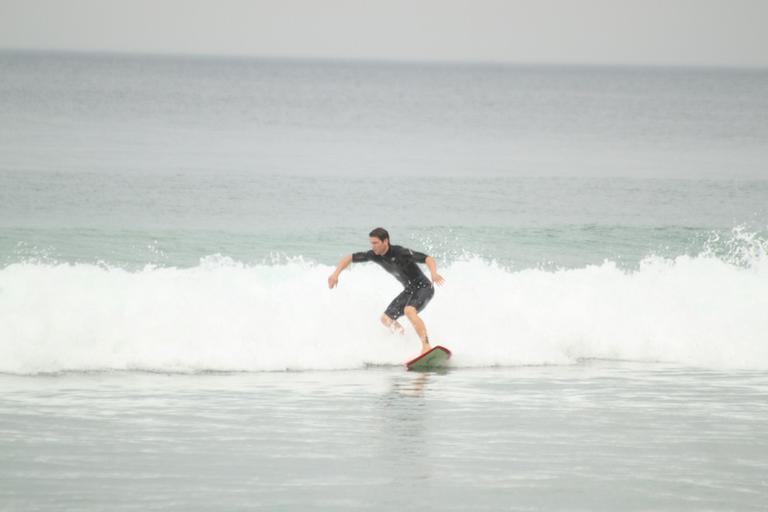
x=521 y=222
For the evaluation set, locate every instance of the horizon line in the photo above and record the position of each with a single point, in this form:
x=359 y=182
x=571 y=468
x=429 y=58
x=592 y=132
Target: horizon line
x=376 y=60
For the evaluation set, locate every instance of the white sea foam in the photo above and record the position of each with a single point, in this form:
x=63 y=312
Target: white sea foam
x=223 y=315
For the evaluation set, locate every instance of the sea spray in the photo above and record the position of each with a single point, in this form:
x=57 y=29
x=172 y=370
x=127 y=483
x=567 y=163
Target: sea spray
x=224 y=315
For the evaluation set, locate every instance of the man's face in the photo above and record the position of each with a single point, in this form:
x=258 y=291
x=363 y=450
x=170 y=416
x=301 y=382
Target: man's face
x=380 y=247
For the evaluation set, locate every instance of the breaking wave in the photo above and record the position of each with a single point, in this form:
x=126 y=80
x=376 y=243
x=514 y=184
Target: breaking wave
x=223 y=315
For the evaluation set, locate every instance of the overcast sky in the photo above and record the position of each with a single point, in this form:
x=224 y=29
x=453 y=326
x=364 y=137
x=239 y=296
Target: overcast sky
x=665 y=32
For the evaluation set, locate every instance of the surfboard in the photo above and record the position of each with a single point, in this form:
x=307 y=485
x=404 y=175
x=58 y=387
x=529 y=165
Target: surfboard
x=436 y=358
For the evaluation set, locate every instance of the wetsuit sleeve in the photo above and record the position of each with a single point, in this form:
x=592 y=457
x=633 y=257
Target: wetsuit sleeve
x=358 y=257
x=418 y=257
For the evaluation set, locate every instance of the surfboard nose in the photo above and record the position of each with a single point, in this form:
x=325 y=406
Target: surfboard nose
x=437 y=357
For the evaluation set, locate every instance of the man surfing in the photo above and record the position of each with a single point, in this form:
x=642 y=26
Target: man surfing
x=401 y=263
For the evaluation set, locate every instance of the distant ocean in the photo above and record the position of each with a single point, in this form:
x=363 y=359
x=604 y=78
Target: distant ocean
x=168 y=224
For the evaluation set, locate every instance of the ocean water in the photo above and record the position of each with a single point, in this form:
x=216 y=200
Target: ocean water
x=168 y=339
x=596 y=436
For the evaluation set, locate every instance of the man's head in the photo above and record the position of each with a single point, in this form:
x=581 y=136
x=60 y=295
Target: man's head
x=379 y=239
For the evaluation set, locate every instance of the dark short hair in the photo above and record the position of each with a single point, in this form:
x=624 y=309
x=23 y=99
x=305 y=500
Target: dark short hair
x=380 y=233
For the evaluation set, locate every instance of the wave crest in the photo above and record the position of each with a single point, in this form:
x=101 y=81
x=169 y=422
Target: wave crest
x=224 y=315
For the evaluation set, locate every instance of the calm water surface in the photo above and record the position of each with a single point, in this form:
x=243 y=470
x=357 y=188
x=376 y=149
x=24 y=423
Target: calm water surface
x=595 y=436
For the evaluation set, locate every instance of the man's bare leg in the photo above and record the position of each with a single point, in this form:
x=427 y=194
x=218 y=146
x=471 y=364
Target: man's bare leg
x=418 y=324
x=393 y=325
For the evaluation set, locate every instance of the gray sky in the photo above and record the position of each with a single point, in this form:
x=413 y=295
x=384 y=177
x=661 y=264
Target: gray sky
x=665 y=32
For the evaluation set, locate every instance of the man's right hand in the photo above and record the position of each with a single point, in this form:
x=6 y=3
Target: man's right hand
x=333 y=281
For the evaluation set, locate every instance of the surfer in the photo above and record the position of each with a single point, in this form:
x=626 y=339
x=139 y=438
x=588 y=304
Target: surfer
x=401 y=263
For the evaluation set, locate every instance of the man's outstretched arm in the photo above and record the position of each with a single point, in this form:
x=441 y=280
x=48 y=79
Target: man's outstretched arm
x=333 y=280
x=436 y=278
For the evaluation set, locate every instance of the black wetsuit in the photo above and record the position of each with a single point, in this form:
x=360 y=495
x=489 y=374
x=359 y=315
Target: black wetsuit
x=402 y=263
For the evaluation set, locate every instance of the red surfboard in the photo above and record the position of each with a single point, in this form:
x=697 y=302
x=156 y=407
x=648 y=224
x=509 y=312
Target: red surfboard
x=436 y=358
